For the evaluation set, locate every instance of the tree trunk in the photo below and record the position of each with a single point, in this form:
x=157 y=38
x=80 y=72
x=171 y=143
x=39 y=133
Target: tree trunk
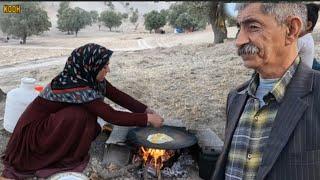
x=76 y=33
x=157 y=31
x=110 y=29
x=24 y=39
x=99 y=27
x=217 y=21
x=136 y=27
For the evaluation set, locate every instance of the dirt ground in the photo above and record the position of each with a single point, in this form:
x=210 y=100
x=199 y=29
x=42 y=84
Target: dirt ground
x=181 y=76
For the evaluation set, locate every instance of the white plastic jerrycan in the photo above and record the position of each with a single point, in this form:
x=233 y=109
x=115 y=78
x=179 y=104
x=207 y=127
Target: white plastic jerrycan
x=17 y=101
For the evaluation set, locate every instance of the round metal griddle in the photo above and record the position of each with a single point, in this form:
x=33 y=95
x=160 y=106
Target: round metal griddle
x=181 y=138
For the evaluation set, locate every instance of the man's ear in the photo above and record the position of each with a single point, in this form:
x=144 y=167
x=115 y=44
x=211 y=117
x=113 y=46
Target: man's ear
x=293 y=29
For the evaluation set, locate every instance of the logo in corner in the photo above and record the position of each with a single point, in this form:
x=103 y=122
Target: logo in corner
x=12 y=9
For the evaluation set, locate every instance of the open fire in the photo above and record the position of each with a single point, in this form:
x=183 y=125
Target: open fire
x=157 y=163
x=155 y=157
x=153 y=160
x=164 y=151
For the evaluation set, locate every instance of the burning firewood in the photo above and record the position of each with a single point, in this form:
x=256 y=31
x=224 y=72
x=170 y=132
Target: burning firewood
x=153 y=160
x=155 y=157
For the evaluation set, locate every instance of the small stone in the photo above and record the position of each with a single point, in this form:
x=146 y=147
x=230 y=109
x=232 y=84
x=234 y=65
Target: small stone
x=112 y=167
x=94 y=176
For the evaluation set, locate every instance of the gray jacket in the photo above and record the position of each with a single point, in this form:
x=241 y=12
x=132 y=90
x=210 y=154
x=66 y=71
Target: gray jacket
x=293 y=148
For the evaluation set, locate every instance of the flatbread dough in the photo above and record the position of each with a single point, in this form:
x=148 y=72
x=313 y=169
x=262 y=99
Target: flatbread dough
x=159 y=138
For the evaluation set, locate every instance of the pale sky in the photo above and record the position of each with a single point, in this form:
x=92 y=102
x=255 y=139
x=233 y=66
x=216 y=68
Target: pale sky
x=230 y=9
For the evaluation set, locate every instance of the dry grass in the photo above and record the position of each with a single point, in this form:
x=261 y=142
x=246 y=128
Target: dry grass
x=185 y=82
x=9 y=55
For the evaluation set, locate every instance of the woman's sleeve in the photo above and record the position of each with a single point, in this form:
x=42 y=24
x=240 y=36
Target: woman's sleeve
x=124 y=99
x=120 y=118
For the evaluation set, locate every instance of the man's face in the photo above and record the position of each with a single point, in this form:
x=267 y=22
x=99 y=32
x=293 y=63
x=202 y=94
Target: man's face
x=260 y=39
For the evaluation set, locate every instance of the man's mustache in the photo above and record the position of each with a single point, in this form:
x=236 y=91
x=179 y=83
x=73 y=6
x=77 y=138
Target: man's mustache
x=248 y=49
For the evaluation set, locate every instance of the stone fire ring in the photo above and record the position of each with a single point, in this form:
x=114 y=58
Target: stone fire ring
x=181 y=138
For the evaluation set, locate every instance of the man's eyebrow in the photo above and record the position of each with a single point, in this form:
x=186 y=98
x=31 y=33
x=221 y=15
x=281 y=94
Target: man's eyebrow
x=248 y=21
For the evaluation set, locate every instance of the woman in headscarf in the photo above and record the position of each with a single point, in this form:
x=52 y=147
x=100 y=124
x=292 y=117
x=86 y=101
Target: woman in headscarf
x=55 y=132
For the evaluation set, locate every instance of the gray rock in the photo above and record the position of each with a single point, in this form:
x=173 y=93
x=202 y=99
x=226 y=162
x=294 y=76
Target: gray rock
x=174 y=122
x=118 y=155
x=2 y=95
x=118 y=135
x=208 y=138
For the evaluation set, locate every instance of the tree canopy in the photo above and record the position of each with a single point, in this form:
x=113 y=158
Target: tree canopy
x=185 y=21
x=110 y=5
x=124 y=15
x=64 y=20
x=201 y=13
x=94 y=16
x=134 y=16
x=63 y=6
x=80 y=19
x=154 y=20
x=187 y=11
x=73 y=20
x=111 y=19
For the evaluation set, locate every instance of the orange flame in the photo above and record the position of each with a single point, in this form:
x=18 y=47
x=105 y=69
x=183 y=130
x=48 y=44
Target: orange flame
x=156 y=156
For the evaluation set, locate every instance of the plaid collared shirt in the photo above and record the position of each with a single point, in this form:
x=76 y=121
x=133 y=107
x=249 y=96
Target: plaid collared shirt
x=254 y=127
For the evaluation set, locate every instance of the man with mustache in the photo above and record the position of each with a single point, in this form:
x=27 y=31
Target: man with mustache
x=273 y=120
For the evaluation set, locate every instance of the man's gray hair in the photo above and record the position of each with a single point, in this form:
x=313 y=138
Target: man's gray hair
x=281 y=11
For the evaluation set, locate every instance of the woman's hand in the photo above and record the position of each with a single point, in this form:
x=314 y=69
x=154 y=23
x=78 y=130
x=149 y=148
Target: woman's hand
x=150 y=111
x=155 y=120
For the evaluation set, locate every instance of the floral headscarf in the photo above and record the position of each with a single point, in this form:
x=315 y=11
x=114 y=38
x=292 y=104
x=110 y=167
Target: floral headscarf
x=77 y=82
